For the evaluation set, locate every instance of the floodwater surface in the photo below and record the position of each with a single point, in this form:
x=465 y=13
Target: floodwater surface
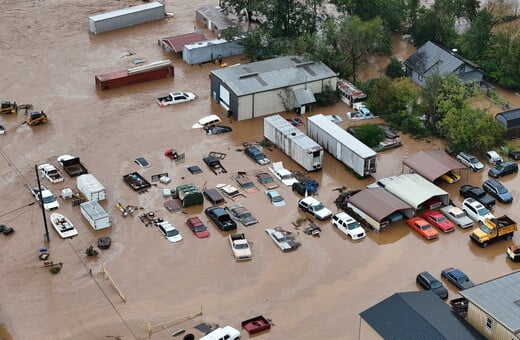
x=314 y=292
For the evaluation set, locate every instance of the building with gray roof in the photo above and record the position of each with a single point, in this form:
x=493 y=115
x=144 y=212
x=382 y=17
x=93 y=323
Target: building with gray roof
x=494 y=307
x=270 y=86
x=510 y=120
x=432 y=59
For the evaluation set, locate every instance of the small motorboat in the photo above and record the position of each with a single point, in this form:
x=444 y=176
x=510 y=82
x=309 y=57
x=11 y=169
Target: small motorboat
x=63 y=226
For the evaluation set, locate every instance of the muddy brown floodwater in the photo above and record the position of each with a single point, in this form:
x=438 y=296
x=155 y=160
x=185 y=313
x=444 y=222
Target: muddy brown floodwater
x=49 y=59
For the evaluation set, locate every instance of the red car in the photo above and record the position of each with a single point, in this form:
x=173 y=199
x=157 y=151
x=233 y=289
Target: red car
x=421 y=226
x=438 y=220
x=198 y=228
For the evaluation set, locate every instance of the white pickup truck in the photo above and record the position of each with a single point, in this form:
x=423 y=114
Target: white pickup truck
x=50 y=172
x=240 y=246
x=50 y=202
x=362 y=112
x=175 y=98
x=224 y=333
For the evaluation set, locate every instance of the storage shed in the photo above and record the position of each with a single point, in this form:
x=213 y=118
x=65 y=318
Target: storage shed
x=510 y=120
x=377 y=205
x=209 y=50
x=432 y=164
x=139 y=74
x=176 y=43
x=212 y=18
x=126 y=17
x=416 y=190
x=270 y=86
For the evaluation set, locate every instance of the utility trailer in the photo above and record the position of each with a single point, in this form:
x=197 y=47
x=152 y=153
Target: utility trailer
x=136 y=181
x=293 y=142
x=91 y=188
x=96 y=216
x=342 y=145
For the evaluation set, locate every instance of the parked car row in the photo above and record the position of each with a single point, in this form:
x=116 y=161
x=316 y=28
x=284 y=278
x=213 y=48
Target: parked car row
x=500 y=168
x=453 y=275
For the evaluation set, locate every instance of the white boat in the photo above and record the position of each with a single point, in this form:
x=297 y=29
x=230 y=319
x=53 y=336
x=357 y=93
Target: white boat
x=63 y=226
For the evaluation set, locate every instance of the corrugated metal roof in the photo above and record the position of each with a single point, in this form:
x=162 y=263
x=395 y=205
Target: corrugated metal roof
x=293 y=133
x=350 y=89
x=431 y=59
x=432 y=164
x=119 y=12
x=417 y=315
x=272 y=74
x=498 y=298
x=176 y=43
x=509 y=119
x=414 y=189
x=214 y=14
x=343 y=136
x=304 y=96
x=378 y=203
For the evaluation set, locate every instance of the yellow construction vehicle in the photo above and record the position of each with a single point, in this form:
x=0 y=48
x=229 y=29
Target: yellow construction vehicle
x=8 y=107
x=36 y=118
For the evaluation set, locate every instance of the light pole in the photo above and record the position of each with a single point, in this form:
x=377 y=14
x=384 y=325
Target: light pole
x=46 y=238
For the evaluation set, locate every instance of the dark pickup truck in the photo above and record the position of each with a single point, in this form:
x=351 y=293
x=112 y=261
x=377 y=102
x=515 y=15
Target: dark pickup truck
x=72 y=165
x=478 y=194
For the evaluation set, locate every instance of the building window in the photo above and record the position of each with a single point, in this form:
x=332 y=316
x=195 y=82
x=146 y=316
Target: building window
x=420 y=77
x=489 y=323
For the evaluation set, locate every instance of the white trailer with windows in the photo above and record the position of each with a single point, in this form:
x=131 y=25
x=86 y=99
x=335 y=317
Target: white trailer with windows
x=95 y=215
x=296 y=144
x=342 y=145
x=126 y=17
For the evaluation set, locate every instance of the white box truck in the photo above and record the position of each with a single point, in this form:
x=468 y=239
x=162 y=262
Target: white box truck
x=293 y=142
x=91 y=188
x=95 y=215
x=342 y=145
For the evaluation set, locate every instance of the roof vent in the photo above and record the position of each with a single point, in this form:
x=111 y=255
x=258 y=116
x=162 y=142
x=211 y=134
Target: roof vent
x=246 y=75
x=517 y=302
x=304 y=63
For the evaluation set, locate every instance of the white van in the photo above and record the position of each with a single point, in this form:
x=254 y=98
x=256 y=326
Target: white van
x=493 y=157
x=206 y=122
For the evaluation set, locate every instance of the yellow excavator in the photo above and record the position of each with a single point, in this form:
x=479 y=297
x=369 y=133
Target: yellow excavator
x=8 y=107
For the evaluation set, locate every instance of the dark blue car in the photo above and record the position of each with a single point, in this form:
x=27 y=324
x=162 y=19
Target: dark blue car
x=457 y=277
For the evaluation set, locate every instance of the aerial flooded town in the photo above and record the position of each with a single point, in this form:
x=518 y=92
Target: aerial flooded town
x=161 y=179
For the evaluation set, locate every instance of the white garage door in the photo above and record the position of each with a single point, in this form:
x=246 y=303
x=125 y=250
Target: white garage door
x=224 y=95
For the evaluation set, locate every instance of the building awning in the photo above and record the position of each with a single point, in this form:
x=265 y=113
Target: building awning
x=176 y=43
x=303 y=97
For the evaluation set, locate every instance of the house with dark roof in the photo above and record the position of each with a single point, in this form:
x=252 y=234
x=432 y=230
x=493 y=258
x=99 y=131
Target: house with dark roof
x=413 y=315
x=432 y=59
x=494 y=307
x=270 y=86
x=510 y=120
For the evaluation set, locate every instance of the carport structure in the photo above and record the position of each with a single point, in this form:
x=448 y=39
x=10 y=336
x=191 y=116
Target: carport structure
x=432 y=164
x=416 y=190
x=376 y=205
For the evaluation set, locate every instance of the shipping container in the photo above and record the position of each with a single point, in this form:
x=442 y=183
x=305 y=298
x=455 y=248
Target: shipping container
x=342 y=145
x=153 y=71
x=126 y=17
x=96 y=216
x=91 y=188
x=293 y=142
x=210 y=50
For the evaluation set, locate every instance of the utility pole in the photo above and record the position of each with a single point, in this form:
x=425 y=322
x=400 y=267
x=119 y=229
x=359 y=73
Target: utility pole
x=46 y=238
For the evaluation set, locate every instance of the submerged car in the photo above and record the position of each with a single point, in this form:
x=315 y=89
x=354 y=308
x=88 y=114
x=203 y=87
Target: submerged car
x=476 y=210
x=422 y=227
x=275 y=198
x=169 y=231
x=470 y=161
x=255 y=154
x=218 y=129
x=457 y=277
x=241 y=213
x=283 y=239
x=197 y=227
x=283 y=174
x=266 y=180
x=478 y=194
x=439 y=220
x=457 y=216
x=450 y=177
x=497 y=190
x=221 y=218
x=429 y=282
x=246 y=184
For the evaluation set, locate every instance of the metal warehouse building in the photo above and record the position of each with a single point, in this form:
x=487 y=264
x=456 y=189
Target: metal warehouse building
x=270 y=86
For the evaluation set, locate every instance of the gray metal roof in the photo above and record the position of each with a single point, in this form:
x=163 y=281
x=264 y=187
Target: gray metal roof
x=214 y=14
x=272 y=74
x=293 y=133
x=378 y=203
x=304 y=96
x=417 y=315
x=119 y=12
x=499 y=298
x=343 y=136
x=432 y=164
x=415 y=189
x=509 y=119
x=431 y=59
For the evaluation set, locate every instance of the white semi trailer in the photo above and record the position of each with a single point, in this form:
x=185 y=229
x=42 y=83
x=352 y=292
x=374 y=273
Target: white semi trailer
x=293 y=142
x=342 y=145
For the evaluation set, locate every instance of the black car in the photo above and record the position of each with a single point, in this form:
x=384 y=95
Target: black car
x=218 y=129
x=478 y=194
x=221 y=218
x=428 y=282
x=514 y=154
x=503 y=169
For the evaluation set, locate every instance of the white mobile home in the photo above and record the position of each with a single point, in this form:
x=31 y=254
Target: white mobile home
x=126 y=17
x=95 y=215
x=297 y=145
x=342 y=145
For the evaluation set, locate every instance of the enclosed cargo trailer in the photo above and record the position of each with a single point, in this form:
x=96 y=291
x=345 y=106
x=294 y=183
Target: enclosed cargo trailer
x=96 y=216
x=293 y=142
x=91 y=188
x=153 y=71
x=342 y=145
x=125 y=17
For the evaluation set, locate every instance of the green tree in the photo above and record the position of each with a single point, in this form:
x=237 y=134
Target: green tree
x=472 y=129
x=387 y=97
x=433 y=24
x=370 y=134
x=474 y=43
x=395 y=69
x=502 y=56
x=239 y=7
x=392 y=12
